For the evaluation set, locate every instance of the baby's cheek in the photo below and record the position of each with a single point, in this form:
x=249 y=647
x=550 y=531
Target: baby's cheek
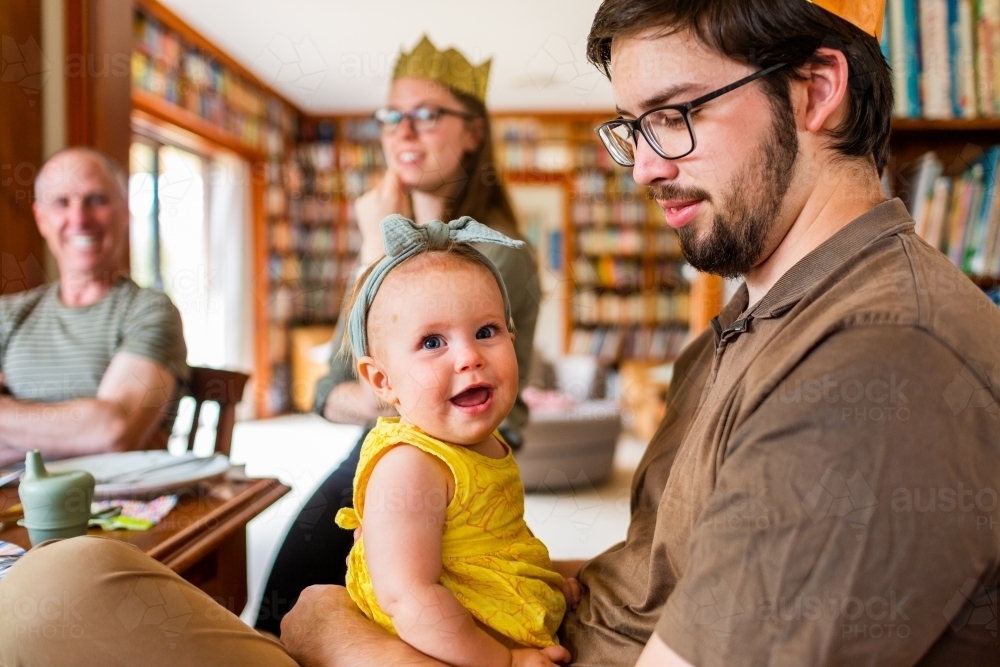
x=425 y=389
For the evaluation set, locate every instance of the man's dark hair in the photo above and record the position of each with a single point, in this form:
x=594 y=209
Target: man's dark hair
x=761 y=33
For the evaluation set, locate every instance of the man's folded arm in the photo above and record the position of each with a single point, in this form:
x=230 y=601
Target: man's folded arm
x=130 y=402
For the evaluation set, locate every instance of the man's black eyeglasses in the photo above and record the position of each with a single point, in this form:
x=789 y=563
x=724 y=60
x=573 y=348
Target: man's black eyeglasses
x=667 y=129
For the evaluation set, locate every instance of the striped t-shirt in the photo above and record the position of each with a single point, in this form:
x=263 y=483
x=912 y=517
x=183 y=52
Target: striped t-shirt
x=50 y=352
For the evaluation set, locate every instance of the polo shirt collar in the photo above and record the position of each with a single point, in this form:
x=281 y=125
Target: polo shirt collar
x=886 y=219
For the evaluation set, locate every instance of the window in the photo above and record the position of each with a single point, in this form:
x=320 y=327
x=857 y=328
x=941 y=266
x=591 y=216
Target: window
x=168 y=201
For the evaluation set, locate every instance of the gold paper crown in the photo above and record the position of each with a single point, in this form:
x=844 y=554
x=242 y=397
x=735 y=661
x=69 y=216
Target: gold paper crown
x=865 y=14
x=449 y=68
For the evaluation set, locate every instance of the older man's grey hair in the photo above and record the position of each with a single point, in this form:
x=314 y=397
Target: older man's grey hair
x=114 y=170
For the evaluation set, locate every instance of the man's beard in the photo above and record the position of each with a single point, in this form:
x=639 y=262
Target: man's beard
x=737 y=240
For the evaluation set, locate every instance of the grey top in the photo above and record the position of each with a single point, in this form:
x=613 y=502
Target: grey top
x=520 y=275
x=50 y=352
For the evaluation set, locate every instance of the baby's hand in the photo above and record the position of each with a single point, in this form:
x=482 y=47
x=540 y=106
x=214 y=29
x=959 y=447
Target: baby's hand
x=573 y=592
x=532 y=657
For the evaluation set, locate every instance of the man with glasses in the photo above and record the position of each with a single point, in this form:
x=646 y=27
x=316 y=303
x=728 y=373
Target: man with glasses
x=823 y=489
x=854 y=369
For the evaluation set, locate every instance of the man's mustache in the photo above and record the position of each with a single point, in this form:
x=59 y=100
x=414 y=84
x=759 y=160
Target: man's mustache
x=675 y=192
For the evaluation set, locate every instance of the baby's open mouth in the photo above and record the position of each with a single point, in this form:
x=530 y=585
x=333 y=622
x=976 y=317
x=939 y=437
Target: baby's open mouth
x=472 y=397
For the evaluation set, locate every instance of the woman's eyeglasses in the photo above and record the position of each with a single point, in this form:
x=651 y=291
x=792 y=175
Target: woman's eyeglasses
x=422 y=119
x=667 y=129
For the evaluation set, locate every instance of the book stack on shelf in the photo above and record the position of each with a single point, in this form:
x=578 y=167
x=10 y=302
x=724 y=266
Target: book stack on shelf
x=313 y=243
x=629 y=300
x=945 y=57
x=532 y=145
x=626 y=299
x=170 y=68
x=360 y=160
x=959 y=215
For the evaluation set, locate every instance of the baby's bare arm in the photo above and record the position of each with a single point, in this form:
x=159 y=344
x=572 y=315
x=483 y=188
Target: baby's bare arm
x=404 y=513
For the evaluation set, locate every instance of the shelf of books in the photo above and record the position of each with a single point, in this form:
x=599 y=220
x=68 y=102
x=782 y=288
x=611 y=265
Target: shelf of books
x=945 y=57
x=172 y=74
x=625 y=297
x=313 y=242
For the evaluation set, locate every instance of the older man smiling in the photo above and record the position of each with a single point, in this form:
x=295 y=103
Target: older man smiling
x=91 y=363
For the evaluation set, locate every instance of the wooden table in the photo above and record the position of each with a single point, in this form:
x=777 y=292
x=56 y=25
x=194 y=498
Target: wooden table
x=203 y=539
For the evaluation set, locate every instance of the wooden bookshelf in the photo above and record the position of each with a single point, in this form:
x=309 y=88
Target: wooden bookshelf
x=900 y=125
x=166 y=112
x=958 y=144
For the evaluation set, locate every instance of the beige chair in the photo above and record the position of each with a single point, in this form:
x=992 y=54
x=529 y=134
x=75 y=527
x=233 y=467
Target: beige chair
x=222 y=387
x=569 y=448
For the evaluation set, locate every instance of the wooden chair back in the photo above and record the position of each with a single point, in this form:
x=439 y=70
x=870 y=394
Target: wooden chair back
x=222 y=387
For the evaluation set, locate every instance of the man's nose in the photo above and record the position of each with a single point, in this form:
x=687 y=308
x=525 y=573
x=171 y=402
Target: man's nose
x=650 y=168
x=77 y=211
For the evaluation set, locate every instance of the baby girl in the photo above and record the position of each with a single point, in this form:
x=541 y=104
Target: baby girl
x=446 y=560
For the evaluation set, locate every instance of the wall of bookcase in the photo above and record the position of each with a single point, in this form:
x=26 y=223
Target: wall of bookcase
x=313 y=240
x=945 y=61
x=968 y=217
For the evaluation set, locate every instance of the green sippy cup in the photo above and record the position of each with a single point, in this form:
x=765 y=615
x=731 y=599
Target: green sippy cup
x=55 y=505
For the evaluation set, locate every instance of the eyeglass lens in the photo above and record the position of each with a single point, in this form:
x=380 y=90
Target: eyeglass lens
x=422 y=118
x=665 y=128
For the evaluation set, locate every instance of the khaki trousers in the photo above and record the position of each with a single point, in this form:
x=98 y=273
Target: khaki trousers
x=97 y=601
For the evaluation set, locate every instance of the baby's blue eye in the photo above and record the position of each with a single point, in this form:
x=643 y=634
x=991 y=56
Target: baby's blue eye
x=486 y=332
x=432 y=343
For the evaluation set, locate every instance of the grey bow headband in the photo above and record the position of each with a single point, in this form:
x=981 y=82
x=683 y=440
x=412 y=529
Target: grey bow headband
x=402 y=239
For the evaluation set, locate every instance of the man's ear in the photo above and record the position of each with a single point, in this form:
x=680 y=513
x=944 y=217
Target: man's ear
x=38 y=218
x=371 y=372
x=824 y=90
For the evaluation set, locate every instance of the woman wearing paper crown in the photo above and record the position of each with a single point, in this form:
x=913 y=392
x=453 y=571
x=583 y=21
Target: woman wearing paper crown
x=439 y=165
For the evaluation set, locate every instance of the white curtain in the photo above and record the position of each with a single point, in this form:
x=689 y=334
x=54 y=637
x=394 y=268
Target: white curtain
x=230 y=224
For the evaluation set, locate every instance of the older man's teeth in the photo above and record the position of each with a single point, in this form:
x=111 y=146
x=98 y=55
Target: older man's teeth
x=82 y=242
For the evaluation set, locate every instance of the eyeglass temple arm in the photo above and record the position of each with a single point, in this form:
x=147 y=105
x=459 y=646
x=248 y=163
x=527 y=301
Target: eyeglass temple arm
x=731 y=87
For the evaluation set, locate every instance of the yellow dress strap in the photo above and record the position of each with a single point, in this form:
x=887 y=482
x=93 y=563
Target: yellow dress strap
x=347 y=518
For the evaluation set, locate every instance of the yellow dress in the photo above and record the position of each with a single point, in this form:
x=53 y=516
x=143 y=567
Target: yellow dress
x=492 y=563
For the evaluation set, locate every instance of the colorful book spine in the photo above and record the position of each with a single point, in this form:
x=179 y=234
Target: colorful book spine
x=904 y=56
x=935 y=77
x=974 y=258
x=961 y=35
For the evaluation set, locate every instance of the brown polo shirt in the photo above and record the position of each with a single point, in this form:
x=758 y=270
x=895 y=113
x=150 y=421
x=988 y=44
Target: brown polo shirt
x=824 y=487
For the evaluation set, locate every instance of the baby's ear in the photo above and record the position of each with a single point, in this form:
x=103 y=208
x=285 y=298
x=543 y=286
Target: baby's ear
x=371 y=372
